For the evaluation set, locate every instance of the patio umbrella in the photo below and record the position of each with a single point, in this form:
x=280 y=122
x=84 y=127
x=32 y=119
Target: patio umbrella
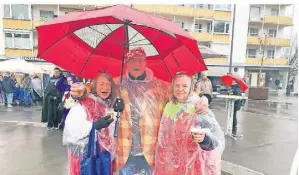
x=228 y=81
x=89 y=42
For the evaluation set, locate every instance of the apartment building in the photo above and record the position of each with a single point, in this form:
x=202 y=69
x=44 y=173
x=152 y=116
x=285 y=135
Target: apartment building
x=210 y=24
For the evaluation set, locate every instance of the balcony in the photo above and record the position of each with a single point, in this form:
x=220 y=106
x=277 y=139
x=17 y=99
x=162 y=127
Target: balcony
x=215 y=60
x=185 y=11
x=209 y=37
x=18 y=52
x=281 y=20
x=16 y=24
x=37 y=23
x=267 y=61
x=281 y=42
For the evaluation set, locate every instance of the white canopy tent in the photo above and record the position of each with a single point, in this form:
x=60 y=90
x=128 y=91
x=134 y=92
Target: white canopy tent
x=209 y=53
x=19 y=65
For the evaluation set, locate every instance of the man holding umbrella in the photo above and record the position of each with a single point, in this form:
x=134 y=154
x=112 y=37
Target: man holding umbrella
x=145 y=97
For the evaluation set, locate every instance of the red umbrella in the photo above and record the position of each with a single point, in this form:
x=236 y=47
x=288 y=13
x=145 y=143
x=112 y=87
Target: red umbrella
x=89 y=42
x=228 y=81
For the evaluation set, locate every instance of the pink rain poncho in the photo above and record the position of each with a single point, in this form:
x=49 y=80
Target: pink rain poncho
x=77 y=129
x=176 y=153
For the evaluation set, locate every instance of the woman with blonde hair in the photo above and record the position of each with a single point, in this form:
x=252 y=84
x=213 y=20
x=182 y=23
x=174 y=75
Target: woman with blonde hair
x=188 y=143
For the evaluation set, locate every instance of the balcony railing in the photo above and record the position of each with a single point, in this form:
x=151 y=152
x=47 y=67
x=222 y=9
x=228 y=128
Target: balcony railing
x=281 y=20
x=18 y=52
x=215 y=60
x=267 y=61
x=282 y=42
x=185 y=11
x=16 y=24
x=209 y=37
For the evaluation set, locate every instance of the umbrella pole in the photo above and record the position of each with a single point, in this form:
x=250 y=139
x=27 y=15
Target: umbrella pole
x=126 y=44
x=119 y=105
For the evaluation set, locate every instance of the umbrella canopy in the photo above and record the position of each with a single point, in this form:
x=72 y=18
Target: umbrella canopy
x=228 y=81
x=19 y=65
x=89 y=42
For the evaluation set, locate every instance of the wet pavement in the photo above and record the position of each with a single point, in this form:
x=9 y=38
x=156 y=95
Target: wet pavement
x=268 y=146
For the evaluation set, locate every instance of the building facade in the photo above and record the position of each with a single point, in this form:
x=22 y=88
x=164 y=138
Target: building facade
x=210 y=24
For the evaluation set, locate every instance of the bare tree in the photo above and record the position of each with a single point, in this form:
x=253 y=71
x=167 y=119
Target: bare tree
x=293 y=60
x=264 y=41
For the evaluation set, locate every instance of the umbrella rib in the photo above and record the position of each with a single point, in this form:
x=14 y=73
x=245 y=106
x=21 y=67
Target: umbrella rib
x=176 y=61
x=134 y=36
x=138 y=40
x=167 y=68
x=108 y=27
x=140 y=44
x=97 y=31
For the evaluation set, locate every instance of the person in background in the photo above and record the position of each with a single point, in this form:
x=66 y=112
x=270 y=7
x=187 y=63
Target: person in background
x=8 y=88
x=204 y=86
x=67 y=100
x=52 y=98
x=277 y=82
x=235 y=90
x=37 y=89
x=28 y=93
x=2 y=99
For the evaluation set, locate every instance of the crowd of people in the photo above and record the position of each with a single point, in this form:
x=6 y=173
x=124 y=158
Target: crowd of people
x=26 y=92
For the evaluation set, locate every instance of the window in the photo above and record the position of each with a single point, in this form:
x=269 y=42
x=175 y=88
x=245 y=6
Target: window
x=198 y=27
x=286 y=52
x=16 y=11
x=46 y=15
x=272 y=33
x=274 y=12
x=180 y=5
x=201 y=6
x=209 y=27
x=221 y=27
x=270 y=53
x=8 y=40
x=225 y=7
x=17 y=40
x=253 y=32
x=251 y=53
x=181 y=24
x=7 y=11
x=210 y=6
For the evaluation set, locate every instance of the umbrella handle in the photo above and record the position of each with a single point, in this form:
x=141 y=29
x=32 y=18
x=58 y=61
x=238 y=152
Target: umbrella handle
x=116 y=125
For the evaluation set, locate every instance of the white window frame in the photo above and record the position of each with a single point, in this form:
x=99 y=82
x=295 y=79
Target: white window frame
x=253 y=34
x=225 y=24
x=181 y=24
x=276 y=9
x=10 y=12
x=251 y=56
x=228 y=7
x=272 y=35
x=46 y=11
x=272 y=53
x=13 y=39
x=199 y=28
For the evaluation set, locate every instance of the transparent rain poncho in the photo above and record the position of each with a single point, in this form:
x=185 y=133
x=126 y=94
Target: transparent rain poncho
x=78 y=125
x=139 y=122
x=176 y=153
